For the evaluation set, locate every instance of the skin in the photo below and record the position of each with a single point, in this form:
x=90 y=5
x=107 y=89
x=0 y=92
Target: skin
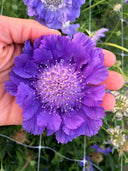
x=13 y=33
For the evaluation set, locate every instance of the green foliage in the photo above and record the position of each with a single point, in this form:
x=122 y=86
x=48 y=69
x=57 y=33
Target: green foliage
x=15 y=157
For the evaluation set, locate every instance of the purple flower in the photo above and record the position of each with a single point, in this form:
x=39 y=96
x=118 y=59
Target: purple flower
x=54 y=13
x=125 y=2
x=98 y=34
x=70 y=29
x=88 y=163
x=101 y=150
x=56 y=82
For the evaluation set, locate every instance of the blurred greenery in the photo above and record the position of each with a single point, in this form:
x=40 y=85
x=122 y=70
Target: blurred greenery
x=15 y=157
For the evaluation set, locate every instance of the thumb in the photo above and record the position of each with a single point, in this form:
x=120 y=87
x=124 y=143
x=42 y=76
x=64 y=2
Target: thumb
x=15 y=30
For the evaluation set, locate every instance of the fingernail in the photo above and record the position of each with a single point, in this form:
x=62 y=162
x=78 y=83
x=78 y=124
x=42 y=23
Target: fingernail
x=55 y=31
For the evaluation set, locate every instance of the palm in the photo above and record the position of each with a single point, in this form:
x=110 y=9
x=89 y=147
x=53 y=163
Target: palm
x=8 y=106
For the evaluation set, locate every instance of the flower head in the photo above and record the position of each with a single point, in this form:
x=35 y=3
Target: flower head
x=117 y=137
x=121 y=107
x=99 y=33
x=117 y=7
x=101 y=150
x=70 y=29
x=56 y=82
x=54 y=13
x=125 y=1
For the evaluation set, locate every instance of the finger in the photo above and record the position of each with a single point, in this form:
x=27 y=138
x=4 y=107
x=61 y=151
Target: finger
x=114 y=81
x=109 y=58
x=19 y=30
x=108 y=101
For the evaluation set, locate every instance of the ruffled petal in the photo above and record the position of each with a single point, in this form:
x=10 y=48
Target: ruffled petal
x=70 y=30
x=31 y=12
x=62 y=137
x=31 y=126
x=43 y=56
x=72 y=119
x=25 y=68
x=98 y=75
x=16 y=79
x=93 y=95
x=40 y=10
x=84 y=41
x=83 y=50
x=28 y=49
x=11 y=88
x=89 y=127
x=26 y=99
x=94 y=112
x=50 y=121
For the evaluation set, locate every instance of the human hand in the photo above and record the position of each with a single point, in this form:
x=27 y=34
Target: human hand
x=14 y=32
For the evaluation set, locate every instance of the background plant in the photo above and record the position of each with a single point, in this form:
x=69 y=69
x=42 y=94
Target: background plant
x=13 y=156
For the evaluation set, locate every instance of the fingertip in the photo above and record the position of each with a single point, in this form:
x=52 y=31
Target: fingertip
x=55 y=32
x=114 y=81
x=109 y=58
x=21 y=30
x=41 y=30
x=108 y=101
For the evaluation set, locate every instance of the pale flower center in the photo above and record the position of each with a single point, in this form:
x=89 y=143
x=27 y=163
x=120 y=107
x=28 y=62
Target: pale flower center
x=53 y=4
x=59 y=87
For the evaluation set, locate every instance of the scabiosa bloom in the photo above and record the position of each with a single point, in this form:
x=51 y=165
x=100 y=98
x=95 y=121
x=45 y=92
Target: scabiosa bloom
x=125 y=2
x=70 y=29
x=55 y=81
x=54 y=13
x=101 y=150
x=99 y=33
